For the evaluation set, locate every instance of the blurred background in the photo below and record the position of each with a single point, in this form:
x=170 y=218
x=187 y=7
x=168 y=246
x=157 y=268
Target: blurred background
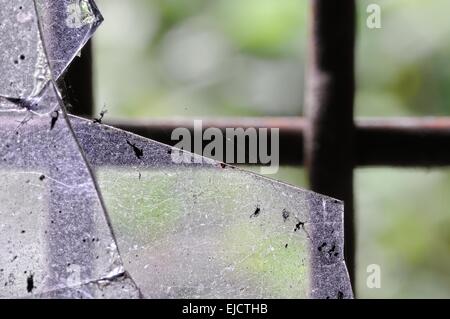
x=233 y=58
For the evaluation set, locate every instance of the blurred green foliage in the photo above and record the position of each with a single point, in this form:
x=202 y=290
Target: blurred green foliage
x=262 y=27
x=403 y=68
x=403 y=224
x=199 y=58
x=162 y=58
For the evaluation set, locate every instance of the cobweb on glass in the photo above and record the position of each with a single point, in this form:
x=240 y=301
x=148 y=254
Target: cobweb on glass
x=66 y=27
x=118 y=287
x=54 y=232
x=195 y=229
x=23 y=63
x=202 y=229
x=39 y=39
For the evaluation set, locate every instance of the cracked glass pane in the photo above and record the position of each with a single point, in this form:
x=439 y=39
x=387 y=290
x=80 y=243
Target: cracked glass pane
x=39 y=39
x=54 y=233
x=195 y=228
x=22 y=59
x=66 y=27
x=209 y=230
x=118 y=287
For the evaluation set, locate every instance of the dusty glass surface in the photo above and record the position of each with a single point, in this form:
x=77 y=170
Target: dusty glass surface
x=22 y=59
x=54 y=232
x=39 y=39
x=190 y=229
x=66 y=27
x=118 y=287
x=208 y=230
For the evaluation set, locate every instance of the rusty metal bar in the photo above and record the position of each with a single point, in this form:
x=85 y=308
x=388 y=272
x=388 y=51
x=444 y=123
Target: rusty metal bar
x=406 y=142
x=329 y=137
x=403 y=142
x=291 y=131
x=77 y=84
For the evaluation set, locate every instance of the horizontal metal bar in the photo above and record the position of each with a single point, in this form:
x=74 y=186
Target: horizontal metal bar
x=291 y=131
x=411 y=142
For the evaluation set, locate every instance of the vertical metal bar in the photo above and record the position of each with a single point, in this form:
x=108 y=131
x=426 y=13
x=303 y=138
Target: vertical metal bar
x=329 y=137
x=78 y=84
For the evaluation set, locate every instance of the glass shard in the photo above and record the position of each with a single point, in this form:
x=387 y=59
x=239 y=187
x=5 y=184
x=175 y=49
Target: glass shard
x=38 y=45
x=23 y=64
x=190 y=229
x=56 y=239
x=210 y=231
x=119 y=287
x=66 y=27
x=53 y=229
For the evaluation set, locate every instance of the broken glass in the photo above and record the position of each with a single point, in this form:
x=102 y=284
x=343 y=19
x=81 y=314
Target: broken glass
x=23 y=63
x=54 y=232
x=66 y=27
x=210 y=230
x=39 y=39
x=118 y=287
x=55 y=235
x=195 y=229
